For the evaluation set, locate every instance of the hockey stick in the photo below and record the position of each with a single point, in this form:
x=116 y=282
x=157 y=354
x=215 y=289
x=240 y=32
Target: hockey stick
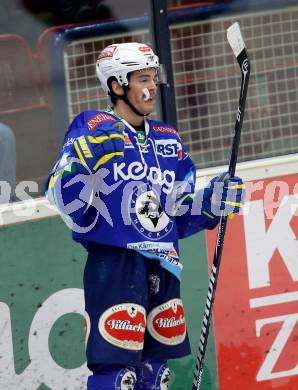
x=237 y=44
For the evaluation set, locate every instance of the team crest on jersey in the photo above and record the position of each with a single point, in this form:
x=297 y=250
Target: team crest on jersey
x=124 y=325
x=147 y=215
x=166 y=322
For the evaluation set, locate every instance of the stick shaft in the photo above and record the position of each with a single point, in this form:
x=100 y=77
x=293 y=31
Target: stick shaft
x=245 y=71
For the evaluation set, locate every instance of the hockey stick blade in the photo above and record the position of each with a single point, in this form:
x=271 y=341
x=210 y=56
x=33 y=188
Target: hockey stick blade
x=237 y=44
x=235 y=39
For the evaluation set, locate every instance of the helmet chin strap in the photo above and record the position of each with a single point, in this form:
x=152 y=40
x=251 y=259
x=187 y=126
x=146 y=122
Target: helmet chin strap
x=146 y=97
x=125 y=99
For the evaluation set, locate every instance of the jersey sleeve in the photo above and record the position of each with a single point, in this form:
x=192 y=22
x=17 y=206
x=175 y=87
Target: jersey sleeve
x=69 y=186
x=189 y=219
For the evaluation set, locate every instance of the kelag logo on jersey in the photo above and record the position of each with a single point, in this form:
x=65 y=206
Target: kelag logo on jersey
x=136 y=170
x=147 y=215
x=168 y=148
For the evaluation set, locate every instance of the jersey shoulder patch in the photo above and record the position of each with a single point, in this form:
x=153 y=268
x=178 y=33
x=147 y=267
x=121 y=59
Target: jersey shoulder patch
x=90 y=119
x=163 y=129
x=97 y=118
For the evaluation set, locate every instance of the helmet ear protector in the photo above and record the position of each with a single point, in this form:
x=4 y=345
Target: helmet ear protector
x=119 y=60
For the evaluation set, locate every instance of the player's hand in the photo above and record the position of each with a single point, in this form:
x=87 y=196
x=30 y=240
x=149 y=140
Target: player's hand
x=223 y=196
x=105 y=143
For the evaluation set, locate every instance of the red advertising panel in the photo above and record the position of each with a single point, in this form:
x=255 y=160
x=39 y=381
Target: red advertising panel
x=256 y=306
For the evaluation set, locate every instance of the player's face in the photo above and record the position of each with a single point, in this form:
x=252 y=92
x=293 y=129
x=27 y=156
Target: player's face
x=140 y=80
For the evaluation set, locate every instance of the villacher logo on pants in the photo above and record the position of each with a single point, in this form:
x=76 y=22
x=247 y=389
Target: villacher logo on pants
x=166 y=322
x=124 y=325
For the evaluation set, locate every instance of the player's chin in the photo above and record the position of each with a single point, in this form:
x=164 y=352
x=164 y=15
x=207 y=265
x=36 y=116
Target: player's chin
x=149 y=105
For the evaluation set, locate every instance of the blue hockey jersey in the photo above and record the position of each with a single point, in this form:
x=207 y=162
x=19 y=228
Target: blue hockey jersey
x=139 y=202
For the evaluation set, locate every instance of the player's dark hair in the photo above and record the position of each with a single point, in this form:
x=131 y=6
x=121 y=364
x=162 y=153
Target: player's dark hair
x=113 y=96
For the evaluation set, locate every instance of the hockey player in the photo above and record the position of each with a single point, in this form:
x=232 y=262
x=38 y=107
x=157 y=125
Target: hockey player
x=127 y=185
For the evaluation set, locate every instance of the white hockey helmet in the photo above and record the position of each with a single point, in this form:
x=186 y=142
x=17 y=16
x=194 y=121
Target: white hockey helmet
x=120 y=59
